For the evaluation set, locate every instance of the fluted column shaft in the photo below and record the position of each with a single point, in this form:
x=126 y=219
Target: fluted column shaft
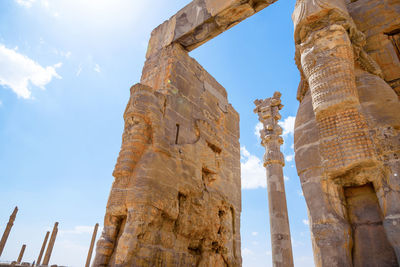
x=42 y=249
x=268 y=112
x=21 y=253
x=8 y=230
x=89 y=256
x=51 y=245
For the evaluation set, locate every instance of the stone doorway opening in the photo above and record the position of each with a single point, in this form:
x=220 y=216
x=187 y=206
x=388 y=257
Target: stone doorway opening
x=370 y=246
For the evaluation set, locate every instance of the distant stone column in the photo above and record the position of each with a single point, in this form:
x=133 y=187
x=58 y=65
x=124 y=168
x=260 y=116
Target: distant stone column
x=42 y=249
x=268 y=113
x=51 y=245
x=89 y=256
x=7 y=230
x=21 y=253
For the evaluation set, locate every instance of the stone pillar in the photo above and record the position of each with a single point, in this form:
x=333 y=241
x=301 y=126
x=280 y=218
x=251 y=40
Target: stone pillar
x=51 y=245
x=89 y=256
x=43 y=247
x=7 y=230
x=268 y=113
x=21 y=253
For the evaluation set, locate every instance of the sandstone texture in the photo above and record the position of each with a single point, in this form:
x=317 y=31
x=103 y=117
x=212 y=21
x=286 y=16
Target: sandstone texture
x=202 y=20
x=176 y=199
x=347 y=129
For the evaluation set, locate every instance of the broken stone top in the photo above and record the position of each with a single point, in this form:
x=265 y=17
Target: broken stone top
x=268 y=115
x=202 y=20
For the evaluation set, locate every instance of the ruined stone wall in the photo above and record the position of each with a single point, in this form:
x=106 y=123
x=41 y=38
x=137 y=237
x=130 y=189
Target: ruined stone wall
x=379 y=20
x=347 y=131
x=176 y=199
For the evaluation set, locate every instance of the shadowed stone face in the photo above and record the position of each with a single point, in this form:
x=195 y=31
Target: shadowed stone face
x=340 y=153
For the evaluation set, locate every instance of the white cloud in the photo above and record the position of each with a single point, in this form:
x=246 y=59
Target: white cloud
x=67 y=54
x=97 y=68
x=253 y=171
x=300 y=193
x=247 y=252
x=254 y=233
x=306 y=222
x=257 y=129
x=77 y=230
x=289 y=158
x=25 y=3
x=269 y=252
x=18 y=71
x=288 y=125
x=78 y=72
x=286 y=178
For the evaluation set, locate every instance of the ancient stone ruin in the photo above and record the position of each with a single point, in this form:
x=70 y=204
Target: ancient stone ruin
x=49 y=249
x=271 y=139
x=347 y=129
x=176 y=198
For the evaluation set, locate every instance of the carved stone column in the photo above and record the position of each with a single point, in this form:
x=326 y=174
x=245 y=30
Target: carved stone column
x=42 y=249
x=268 y=112
x=21 y=253
x=89 y=256
x=51 y=245
x=7 y=230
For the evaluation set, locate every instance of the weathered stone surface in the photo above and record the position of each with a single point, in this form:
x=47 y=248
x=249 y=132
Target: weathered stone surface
x=369 y=236
x=202 y=20
x=7 y=230
x=379 y=21
x=347 y=130
x=176 y=199
x=51 y=244
x=268 y=113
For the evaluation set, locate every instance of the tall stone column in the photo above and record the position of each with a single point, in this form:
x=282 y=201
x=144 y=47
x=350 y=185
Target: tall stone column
x=89 y=256
x=21 y=253
x=7 y=230
x=268 y=113
x=51 y=245
x=42 y=249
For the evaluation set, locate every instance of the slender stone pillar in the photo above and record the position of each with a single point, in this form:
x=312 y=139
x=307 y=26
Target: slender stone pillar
x=89 y=256
x=7 y=230
x=51 y=245
x=43 y=247
x=268 y=113
x=21 y=253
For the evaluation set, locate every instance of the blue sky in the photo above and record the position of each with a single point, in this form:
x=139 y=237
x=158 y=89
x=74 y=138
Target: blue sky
x=65 y=72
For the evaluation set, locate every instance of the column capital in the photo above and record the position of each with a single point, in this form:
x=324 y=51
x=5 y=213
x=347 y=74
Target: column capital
x=271 y=139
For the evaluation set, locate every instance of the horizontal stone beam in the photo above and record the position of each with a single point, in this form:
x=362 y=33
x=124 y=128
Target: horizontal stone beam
x=202 y=20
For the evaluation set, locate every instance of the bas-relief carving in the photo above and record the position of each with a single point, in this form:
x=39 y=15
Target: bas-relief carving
x=173 y=169
x=172 y=201
x=346 y=109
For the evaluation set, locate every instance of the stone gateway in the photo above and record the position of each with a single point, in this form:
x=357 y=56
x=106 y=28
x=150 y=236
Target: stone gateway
x=176 y=197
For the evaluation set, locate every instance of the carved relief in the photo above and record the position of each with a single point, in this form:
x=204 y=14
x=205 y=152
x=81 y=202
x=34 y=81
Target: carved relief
x=175 y=200
x=337 y=150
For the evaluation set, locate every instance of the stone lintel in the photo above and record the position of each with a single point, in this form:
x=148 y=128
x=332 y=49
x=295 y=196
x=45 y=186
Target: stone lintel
x=202 y=20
